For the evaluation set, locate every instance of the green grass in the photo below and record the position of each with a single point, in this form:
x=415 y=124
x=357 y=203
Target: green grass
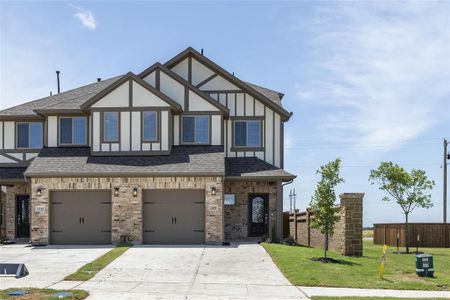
x=368 y=233
x=89 y=270
x=360 y=272
x=42 y=294
x=373 y=298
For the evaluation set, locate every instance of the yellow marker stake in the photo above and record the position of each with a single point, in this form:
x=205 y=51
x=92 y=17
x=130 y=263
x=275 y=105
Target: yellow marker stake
x=383 y=260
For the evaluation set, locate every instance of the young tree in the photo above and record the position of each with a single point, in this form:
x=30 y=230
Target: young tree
x=409 y=190
x=322 y=202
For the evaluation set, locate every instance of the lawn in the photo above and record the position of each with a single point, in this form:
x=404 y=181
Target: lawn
x=359 y=272
x=42 y=294
x=369 y=298
x=89 y=270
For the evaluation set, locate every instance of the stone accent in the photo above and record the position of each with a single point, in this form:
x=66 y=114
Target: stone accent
x=126 y=209
x=236 y=216
x=11 y=191
x=347 y=237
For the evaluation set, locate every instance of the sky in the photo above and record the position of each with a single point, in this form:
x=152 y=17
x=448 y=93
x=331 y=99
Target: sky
x=367 y=81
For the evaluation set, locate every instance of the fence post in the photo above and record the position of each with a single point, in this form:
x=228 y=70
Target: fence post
x=308 y=233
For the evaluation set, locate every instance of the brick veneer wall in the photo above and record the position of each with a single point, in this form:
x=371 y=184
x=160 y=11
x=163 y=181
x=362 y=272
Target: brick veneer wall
x=236 y=216
x=347 y=237
x=11 y=191
x=126 y=210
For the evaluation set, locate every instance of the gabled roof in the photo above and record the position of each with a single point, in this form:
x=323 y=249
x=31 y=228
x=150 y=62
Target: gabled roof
x=130 y=76
x=11 y=175
x=271 y=94
x=255 y=92
x=179 y=79
x=183 y=161
x=68 y=100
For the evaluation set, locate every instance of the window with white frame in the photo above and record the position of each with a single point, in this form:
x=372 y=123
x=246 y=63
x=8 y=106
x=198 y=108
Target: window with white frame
x=247 y=133
x=73 y=130
x=195 y=129
x=29 y=135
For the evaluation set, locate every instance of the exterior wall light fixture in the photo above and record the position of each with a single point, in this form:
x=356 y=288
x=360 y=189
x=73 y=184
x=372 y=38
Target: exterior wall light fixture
x=116 y=191
x=135 y=190
x=213 y=191
x=38 y=192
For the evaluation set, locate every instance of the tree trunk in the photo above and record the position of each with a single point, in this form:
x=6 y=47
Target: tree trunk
x=325 y=246
x=406 y=233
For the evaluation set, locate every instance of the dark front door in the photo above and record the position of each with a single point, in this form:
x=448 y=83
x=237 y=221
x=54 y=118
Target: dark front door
x=23 y=216
x=258 y=217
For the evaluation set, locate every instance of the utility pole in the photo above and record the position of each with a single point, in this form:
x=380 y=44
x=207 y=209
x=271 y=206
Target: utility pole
x=294 y=196
x=290 y=200
x=446 y=156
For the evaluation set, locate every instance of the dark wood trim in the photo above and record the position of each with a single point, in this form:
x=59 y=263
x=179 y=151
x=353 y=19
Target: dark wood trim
x=208 y=79
x=33 y=118
x=190 y=69
x=130 y=91
x=157 y=79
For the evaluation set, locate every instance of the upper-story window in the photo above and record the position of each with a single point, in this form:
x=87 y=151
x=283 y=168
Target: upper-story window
x=111 y=126
x=247 y=133
x=29 y=135
x=195 y=129
x=73 y=130
x=149 y=126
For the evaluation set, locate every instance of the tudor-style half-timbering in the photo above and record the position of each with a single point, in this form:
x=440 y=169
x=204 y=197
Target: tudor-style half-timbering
x=20 y=141
x=131 y=117
x=255 y=125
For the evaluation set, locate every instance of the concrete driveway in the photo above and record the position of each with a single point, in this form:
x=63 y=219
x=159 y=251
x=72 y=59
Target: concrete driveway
x=47 y=265
x=242 y=271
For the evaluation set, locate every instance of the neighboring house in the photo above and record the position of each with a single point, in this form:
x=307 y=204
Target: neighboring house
x=182 y=153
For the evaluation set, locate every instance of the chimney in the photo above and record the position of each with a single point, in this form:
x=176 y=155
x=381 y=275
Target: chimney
x=51 y=94
x=99 y=79
x=201 y=52
x=57 y=80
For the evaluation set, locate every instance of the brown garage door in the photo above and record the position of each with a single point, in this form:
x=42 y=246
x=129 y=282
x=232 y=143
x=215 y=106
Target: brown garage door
x=81 y=217
x=174 y=217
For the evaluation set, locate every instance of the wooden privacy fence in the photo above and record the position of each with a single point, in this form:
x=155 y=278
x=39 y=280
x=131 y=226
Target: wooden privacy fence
x=347 y=238
x=432 y=235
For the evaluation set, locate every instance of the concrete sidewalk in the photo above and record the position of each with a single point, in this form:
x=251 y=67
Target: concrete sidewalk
x=349 y=292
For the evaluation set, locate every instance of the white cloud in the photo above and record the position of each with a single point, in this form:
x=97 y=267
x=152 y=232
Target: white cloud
x=386 y=71
x=86 y=17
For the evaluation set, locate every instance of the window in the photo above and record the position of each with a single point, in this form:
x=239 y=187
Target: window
x=29 y=135
x=196 y=129
x=247 y=133
x=229 y=199
x=149 y=126
x=111 y=126
x=73 y=131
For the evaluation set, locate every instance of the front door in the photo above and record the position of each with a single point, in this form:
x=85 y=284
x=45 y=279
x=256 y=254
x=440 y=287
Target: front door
x=258 y=217
x=23 y=216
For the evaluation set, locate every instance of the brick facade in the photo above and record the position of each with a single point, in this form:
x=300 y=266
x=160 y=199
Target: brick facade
x=347 y=237
x=236 y=216
x=126 y=209
x=11 y=191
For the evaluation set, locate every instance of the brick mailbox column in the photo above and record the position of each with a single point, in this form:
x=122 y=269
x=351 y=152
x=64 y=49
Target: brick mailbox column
x=352 y=204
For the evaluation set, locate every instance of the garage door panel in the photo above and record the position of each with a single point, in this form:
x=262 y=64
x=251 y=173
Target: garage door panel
x=80 y=217
x=174 y=217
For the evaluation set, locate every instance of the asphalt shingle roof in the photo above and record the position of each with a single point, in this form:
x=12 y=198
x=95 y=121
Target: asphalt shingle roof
x=253 y=167
x=189 y=160
x=71 y=99
x=271 y=94
x=11 y=173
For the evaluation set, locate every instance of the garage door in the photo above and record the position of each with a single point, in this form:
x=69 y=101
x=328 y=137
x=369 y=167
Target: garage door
x=81 y=217
x=174 y=217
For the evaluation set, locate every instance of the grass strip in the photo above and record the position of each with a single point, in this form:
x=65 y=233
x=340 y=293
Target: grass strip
x=360 y=272
x=89 y=270
x=369 y=298
x=43 y=294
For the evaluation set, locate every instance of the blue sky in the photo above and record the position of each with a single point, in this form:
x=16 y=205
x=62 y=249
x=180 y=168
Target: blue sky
x=367 y=82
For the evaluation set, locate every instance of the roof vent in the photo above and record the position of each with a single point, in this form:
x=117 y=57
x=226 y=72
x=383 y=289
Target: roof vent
x=57 y=81
x=99 y=79
x=201 y=52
